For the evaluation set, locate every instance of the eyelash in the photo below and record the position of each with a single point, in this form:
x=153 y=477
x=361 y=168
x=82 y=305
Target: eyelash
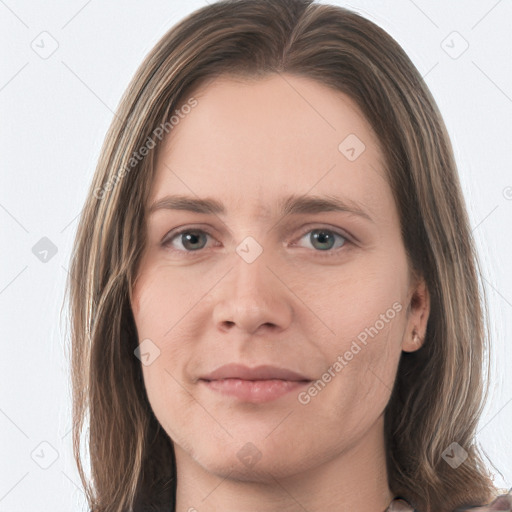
x=327 y=253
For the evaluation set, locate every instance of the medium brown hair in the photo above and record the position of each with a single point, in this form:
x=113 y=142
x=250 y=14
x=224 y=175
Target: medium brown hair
x=439 y=389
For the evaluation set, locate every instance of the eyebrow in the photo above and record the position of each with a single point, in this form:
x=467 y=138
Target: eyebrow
x=290 y=205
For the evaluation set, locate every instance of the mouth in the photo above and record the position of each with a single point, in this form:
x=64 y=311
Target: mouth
x=257 y=384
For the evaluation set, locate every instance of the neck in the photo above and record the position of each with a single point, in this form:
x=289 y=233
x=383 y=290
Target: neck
x=353 y=479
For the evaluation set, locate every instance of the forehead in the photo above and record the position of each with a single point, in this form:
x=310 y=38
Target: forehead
x=250 y=142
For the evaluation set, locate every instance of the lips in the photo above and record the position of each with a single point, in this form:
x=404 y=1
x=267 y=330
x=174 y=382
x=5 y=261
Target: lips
x=257 y=385
x=259 y=373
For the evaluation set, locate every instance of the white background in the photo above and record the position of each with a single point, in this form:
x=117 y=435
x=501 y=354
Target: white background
x=54 y=114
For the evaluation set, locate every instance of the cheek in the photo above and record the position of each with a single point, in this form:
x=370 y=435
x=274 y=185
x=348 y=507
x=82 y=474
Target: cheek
x=163 y=303
x=365 y=311
x=363 y=305
x=362 y=361
x=162 y=297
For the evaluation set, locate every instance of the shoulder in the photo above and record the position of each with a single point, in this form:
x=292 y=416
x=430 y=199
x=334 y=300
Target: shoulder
x=400 y=505
x=502 y=503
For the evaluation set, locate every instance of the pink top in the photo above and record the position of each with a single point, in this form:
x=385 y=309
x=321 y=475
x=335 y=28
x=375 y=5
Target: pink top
x=502 y=503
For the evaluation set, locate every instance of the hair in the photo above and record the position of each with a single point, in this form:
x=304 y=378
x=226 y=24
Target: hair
x=439 y=390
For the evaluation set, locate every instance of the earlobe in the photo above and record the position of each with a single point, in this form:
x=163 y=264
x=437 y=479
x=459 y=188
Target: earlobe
x=419 y=310
x=416 y=342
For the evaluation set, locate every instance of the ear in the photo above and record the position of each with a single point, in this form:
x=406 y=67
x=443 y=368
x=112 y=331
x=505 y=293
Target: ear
x=417 y=316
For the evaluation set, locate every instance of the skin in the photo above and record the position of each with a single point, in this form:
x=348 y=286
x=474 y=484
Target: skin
x=247 y=144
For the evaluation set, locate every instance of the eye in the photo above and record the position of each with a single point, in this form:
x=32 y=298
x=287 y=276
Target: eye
x=190 y=240
x=186 y=240
x=324 y=239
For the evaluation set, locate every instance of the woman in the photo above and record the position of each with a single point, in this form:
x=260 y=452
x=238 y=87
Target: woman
x=323 y=344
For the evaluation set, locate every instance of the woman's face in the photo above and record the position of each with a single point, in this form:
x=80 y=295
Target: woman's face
x=273 y=276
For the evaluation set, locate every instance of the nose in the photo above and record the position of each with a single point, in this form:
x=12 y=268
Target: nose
x=252 y=299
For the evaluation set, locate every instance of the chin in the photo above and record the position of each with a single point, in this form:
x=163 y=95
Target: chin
x=245 y=462
x=262 y=472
